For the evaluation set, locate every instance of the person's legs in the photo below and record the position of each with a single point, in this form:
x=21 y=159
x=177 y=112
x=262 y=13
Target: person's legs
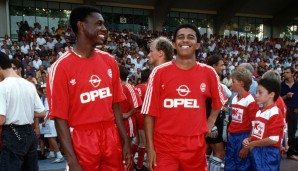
x=218 y=156
x=292 y=127
x=31 y=159
x=166 y=147
x=192 y=154
x=142 y=148
x=111 y=150
x=86 y=145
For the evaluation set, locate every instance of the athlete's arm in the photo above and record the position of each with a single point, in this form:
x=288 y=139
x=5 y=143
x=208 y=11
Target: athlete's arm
x=149 y=130
x=212 y=118
x=65 y=140
x=261 y=143
x=2 y=119
x=131 y=112
x=126 y=153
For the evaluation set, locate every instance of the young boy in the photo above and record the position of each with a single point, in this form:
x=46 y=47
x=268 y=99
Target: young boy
x=267 y=131
x=244 y=109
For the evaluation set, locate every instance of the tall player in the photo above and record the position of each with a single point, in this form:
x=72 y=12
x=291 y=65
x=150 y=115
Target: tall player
x=161 y=51
x=85 y=92
x=215 y=141
x=174 y=104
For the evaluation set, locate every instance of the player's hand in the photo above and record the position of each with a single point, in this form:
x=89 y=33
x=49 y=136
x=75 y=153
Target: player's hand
x=75 y=167
x=245 y=143
x=126 y=155
x=43 y=124
x=214 y=132
x=243 y=153
x=151 y=158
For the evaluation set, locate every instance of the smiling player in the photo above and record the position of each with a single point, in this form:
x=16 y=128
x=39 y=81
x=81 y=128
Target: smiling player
x=175 y=124
x=85 y=92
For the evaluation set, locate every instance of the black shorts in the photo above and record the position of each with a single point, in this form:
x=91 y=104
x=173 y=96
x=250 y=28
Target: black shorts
x=219 y=123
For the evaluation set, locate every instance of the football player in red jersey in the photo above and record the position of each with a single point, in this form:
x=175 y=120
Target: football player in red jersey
x=174 y=104
x=161 y=51
x=85 y=92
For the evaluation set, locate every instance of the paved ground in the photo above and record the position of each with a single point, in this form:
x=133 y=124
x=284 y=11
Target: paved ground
x=46 y=165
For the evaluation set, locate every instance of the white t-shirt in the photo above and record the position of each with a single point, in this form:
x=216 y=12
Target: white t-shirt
x=41 y=41
x=18 y=101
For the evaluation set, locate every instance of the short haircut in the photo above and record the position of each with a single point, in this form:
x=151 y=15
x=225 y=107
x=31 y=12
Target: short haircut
x=272 y=74
x=123 y=73
x=4 y=61
x=291 y=69
x=244 y=75
x=214 y=59
x=164 y=44
x=80 y=13
x=17 y=63
x=270 y=85
x=190 y=26
x=248 y=66
x=145 y=75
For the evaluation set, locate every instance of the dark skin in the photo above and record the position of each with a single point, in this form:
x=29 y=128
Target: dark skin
x=91 y=32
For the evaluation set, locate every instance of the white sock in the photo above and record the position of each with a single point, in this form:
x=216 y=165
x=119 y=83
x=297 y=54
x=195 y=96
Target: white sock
x=59 y=155
x=52 y=154
x=215 y=163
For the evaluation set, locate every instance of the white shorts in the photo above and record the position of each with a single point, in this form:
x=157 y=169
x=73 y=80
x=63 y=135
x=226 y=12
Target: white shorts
x=53 y=129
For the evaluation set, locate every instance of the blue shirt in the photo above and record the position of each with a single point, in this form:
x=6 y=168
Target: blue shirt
x=290 y=102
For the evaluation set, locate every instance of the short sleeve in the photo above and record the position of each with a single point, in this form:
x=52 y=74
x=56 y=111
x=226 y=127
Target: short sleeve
x=118 y=94
x=152 y=96
x=217 y=94
x=58 y=95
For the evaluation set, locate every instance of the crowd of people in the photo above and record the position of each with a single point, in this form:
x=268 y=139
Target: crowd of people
x=64 y=63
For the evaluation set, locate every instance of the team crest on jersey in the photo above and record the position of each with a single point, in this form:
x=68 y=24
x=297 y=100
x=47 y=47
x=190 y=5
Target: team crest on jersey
x=95 y=80
x=183 y=90
x=237 y=115
x=203 y=87
x=258 y=129
x=110 y=73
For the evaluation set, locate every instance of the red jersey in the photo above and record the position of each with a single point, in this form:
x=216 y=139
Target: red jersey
x=176 y=98
x=133 y=99
x=282 y=106
x=243 y=112
x=268 y=123
x=141 y=88
x=82 y=90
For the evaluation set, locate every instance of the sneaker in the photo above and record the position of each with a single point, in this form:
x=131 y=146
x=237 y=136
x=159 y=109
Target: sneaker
x=58 y=160
x=50 y=157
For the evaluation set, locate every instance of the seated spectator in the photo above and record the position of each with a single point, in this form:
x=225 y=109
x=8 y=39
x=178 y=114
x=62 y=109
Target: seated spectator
x=58 y=45
x=40 y=71
x=36 y=62
x=43 y=52
x=46 y=62
x=227 y=80
x=25 y=48
x=40 y=40
x=32 y=79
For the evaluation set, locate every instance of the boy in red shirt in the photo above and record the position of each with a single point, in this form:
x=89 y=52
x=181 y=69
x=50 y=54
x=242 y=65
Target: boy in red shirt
x=174 y=104
x=244 y=109
x=267 y=133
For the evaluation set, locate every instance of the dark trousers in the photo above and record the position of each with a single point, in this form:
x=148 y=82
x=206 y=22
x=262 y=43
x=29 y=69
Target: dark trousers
x=292 y=128
x=19 y=151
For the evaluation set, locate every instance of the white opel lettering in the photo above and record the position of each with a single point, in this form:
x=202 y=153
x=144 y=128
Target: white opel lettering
x=92 y=95
x=187 y=103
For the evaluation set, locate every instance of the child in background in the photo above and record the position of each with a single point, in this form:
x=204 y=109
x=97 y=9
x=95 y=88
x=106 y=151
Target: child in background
x=244 y=108
x=267 y=133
